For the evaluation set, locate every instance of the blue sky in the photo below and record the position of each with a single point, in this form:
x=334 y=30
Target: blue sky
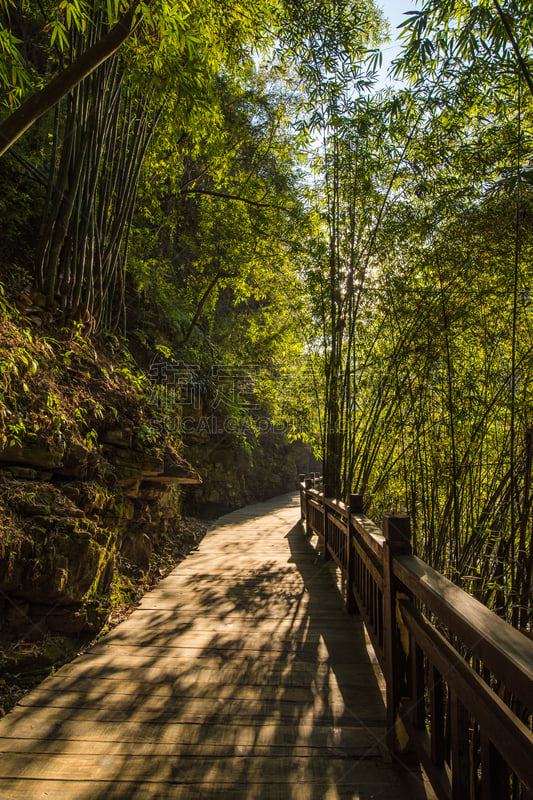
x=394 y=10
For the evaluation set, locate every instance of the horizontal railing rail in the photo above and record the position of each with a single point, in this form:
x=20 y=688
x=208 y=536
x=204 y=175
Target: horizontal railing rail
x=459 y=679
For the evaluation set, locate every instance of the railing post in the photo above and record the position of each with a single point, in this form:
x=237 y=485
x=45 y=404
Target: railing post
x=355 y=506
x=307 y=485
x=301 y=479
x=460 y=746
x=329 y=491
x=397 y=534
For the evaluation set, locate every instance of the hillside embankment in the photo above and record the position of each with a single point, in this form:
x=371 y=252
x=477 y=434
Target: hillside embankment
x=100 y=495
x=90 y=500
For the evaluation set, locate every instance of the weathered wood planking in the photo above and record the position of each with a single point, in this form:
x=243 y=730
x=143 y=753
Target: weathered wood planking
x=239 y=676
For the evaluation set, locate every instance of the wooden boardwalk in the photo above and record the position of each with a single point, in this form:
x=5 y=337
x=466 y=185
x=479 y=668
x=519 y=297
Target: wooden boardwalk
x=239 y=676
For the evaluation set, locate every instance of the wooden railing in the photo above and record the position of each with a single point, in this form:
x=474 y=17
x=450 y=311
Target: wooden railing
x=459 y=678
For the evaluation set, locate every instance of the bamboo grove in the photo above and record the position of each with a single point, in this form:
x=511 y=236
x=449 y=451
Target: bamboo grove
x=232 y=185
x=423 y=290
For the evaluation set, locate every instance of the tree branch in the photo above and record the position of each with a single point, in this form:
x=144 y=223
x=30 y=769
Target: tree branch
x=38 y=104
x=237 y=197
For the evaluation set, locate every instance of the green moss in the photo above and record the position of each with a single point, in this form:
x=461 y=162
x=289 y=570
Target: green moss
x=105 y=569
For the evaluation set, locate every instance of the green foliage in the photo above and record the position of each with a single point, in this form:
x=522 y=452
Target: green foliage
x=219 y=223
x=14 y=76
x=327 y=45
x=419 y=279
x=464 y=32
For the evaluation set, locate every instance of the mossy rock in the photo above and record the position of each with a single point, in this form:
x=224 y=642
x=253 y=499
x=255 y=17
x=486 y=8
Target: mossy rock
x=137 y=548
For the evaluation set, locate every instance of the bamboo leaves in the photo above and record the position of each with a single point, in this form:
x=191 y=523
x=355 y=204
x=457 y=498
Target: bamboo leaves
x=14 y=75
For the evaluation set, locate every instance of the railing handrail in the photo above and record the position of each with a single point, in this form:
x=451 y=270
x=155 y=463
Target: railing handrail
x=504 y=649
x=481 y=705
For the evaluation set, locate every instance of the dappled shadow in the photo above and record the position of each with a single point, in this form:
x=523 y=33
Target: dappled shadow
x=243 y=680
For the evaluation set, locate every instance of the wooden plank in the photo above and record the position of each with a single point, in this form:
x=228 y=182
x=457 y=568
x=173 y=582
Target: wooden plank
x=122 y=737
x=460 y=748
x=165 y=670
x=253 y=716
x=336 y=505
x=301 y=616
x=202 y=632
x=51 y=719
x=270 y=633
x=239 y=770
x=140 y=689
x=184 y=708
x=225 y=604
x=240 y=675
x=236 y=650
x=376 y=785
x=436 y=712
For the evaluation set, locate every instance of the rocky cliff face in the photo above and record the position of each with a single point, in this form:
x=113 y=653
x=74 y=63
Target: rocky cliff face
x=77 y=544
x=90 y=491
x=233 y=475
x=77 y=527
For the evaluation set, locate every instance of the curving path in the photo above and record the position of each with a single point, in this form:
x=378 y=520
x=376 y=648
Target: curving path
x=239 y=676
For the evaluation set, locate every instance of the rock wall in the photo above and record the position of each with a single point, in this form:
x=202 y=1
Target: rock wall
x=233 y=476
x=79 y=527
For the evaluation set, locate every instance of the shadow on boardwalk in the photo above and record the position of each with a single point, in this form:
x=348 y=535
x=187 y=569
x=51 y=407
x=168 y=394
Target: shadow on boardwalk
x=239 y=676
